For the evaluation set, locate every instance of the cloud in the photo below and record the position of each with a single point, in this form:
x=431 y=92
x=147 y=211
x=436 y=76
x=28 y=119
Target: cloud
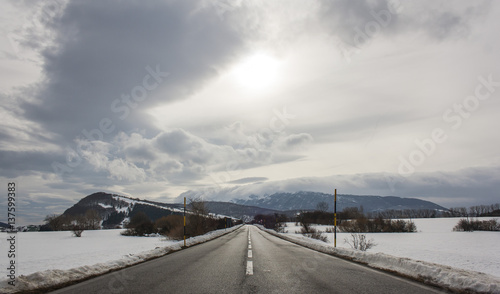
x=450 y=189
x=249 y=180
x=19 y=163
x=104 y=56
x=296 y=141
x=356 y=23
x=139 y=98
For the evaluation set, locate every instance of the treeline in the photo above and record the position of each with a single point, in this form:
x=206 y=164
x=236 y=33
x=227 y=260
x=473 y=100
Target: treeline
x=408 y=213
x=91 y=220
x=474 y=211
x=351 y=219
x=199 y=221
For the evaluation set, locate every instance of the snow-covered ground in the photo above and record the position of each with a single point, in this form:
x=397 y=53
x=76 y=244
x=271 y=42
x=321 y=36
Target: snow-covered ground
x=39 y=251
x=49 y=258
x=434 y=242
x=45 y=259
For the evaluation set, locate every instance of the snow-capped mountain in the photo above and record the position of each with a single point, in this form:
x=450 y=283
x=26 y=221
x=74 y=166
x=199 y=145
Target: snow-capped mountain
x=309 y=200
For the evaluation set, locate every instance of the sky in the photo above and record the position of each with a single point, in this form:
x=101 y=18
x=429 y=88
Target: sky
x=223 y=99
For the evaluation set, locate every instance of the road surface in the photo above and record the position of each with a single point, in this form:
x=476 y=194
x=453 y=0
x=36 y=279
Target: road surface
x=248 y=260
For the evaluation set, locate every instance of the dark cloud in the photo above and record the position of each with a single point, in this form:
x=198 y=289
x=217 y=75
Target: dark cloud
x=105 y=51
x=356 y=23
x=18 y=163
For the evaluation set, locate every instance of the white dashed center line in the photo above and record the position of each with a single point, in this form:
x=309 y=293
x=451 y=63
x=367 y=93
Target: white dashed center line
x=249 y=262
x=249 y=268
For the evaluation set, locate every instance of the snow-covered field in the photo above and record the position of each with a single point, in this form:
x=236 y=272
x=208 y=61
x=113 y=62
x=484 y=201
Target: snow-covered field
x=39 y=251
x=49 y=258
x=434 y=242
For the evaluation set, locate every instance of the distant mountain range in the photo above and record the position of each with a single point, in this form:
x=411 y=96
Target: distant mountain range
x=115 y=209
x=309 y=201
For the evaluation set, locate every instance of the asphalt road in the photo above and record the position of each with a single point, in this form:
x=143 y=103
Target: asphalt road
x=248 y=260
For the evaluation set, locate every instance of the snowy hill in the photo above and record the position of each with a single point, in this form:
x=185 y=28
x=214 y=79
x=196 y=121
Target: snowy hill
x=115 y=209
x=309 y=200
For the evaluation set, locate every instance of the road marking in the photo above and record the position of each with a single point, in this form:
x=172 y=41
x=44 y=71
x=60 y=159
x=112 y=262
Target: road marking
x=249 y=246
x=249 y=253
x=249 y=268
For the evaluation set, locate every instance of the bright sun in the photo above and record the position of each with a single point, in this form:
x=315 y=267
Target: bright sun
x=256 y=72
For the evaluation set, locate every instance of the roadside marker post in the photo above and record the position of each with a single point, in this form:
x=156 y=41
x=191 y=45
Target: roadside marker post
x=335 y=220
x=184 y=221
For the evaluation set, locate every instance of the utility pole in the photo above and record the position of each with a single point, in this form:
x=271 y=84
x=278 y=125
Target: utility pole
x=335 y=220
x=184 y=221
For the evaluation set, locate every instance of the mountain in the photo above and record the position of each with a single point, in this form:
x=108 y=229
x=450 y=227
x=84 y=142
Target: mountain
x=115 y=209
x=309 y=200
x=243 y=212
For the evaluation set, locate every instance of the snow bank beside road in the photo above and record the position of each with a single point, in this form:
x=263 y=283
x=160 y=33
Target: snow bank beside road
x=54 y=277
x=431 y=273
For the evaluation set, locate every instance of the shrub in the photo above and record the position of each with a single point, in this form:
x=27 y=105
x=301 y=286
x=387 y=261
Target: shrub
x=78 y=225
x=171 y=226
x=168 y=223
x=77 y=230
x=477 y=225
x=315 y=234
x=308 y=231
x=279 y=227
x=139 y=225
x=359 y=242
x=176 y=233
x=378 y=225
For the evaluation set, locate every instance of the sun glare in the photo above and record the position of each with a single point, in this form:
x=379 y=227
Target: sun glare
x=256 y=72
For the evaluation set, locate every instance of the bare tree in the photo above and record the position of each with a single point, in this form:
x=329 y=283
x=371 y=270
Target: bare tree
x=199 y=220
x=57 y=222
x=359 y=242
x=78 y=225
x=93 y=219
